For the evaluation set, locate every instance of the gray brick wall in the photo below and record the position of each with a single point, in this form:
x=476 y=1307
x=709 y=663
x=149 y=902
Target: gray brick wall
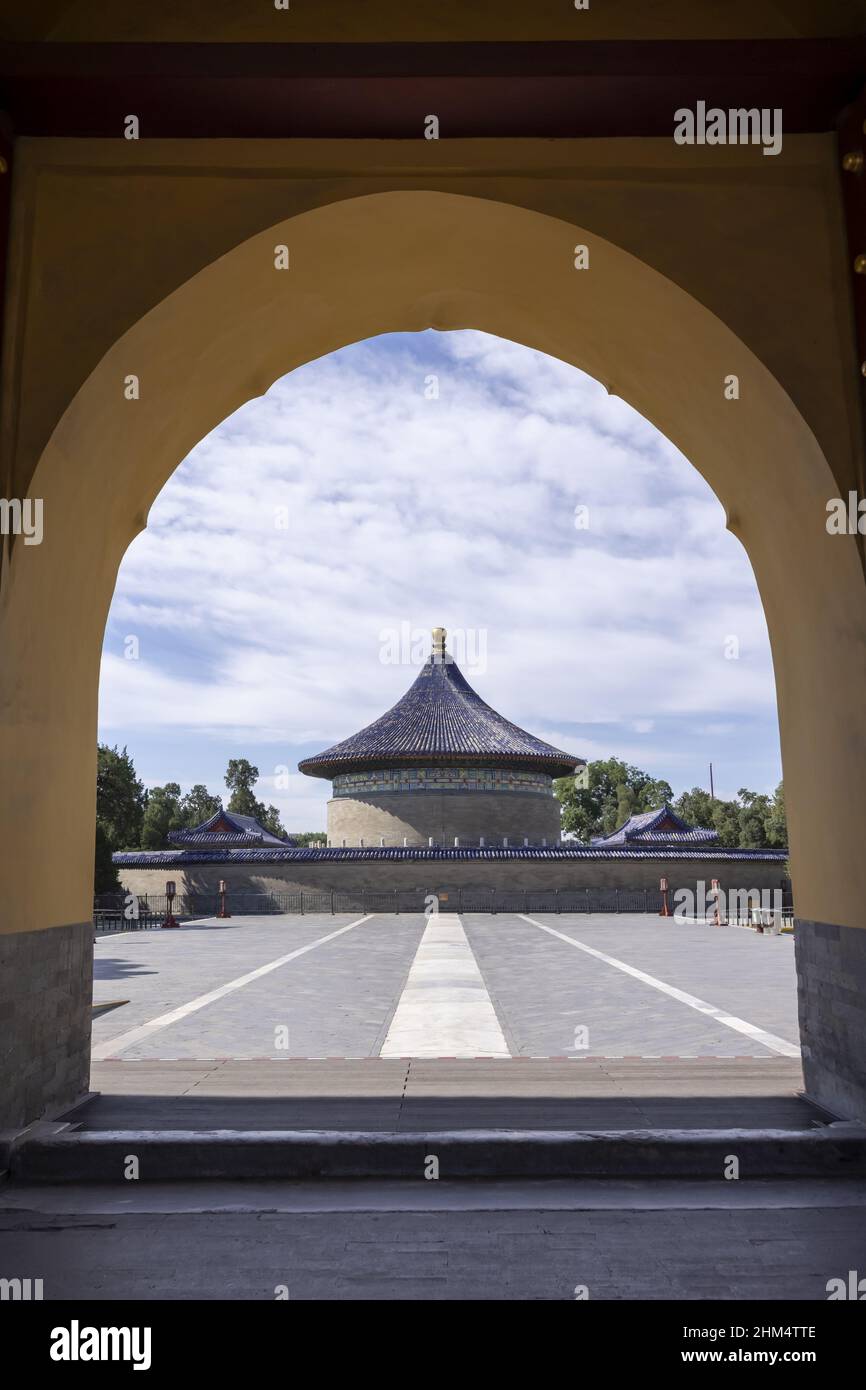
x=46 y=989
x=378 y=875
x=418 y=816
x=831 y=984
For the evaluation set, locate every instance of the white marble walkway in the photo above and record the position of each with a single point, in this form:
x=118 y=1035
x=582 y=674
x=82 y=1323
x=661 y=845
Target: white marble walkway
x=445 y=1009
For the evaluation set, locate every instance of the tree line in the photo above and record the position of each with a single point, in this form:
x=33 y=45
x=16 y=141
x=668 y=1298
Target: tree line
x=615 y=790
x=130 y=816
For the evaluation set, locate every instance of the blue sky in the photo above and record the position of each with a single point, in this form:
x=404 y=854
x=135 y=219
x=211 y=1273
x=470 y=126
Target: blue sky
x=295 y=557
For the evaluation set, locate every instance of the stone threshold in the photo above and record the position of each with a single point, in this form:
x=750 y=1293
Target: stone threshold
x=70 y=1155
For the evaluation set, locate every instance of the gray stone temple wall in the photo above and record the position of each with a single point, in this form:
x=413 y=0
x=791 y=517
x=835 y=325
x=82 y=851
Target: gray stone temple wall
x=46 y=990
x=435 y=876
x=831 y=984
x=442 y=817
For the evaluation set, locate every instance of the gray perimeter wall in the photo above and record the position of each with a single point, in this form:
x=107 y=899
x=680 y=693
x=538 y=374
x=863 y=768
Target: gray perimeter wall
x=378 y=875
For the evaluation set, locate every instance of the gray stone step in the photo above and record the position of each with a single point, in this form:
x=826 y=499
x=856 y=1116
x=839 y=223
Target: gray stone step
x=835 y=1150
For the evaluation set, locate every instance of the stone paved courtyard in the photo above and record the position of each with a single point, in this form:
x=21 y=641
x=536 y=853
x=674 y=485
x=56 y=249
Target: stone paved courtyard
x=213 y=995
x=281 y=987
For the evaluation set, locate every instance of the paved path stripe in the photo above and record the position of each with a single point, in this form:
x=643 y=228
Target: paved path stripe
x=118 y=1044
x=445 y=1009
x=770 y=1040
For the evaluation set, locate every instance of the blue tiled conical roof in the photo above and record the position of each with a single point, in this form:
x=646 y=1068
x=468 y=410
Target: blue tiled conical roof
x=439 y=720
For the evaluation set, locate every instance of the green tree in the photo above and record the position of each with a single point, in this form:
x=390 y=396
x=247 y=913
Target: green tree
x=241 y=777
x=615 y=790
x=776 y=824
x=752 y=821
x=726 y=820
x=120 y=797
x=198 y=806
x=270 y=819
x=697 y=807
x=161 y=815
x=105 y=878
x=120 y=800
x=754 y=813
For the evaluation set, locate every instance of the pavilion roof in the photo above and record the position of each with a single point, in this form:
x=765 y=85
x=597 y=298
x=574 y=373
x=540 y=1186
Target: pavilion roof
x=226 y=830
x=656 y=828
x=440 y=719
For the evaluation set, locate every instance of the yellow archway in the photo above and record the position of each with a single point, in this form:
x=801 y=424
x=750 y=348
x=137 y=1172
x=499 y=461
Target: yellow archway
x=402 y=261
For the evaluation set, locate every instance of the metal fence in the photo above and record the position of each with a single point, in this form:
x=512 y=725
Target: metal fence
x=112 y=919
x=118 y=912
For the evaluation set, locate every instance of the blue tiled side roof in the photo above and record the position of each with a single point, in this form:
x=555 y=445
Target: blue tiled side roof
x=246 y=831
x=643 y=829
x=155 y=859
x=440 y=717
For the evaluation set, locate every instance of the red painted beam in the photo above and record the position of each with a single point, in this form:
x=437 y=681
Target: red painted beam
x=384 y=91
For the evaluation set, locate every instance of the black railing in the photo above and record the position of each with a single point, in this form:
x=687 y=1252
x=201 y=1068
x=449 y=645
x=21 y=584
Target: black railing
x=112 y=919
x=127 y=912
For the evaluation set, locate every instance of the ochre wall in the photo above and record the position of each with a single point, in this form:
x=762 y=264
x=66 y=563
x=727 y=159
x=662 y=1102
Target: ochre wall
x=104 y=230
x=157 y=258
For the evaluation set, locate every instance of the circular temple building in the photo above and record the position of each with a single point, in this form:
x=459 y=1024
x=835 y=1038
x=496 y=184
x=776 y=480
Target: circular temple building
x=442 y=768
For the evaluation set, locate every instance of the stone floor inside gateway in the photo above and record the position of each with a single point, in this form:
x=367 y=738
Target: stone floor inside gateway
x=388 y=1030
x=400 y=1023
x=581 y=987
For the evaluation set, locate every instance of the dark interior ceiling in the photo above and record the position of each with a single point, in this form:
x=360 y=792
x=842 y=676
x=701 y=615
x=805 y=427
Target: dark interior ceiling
x=384 y=91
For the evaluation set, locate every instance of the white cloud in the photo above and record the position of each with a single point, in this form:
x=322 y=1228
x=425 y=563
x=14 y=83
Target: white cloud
x=457 y=511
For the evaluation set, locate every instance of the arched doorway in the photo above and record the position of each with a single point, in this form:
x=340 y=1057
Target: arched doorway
x=406 y=260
